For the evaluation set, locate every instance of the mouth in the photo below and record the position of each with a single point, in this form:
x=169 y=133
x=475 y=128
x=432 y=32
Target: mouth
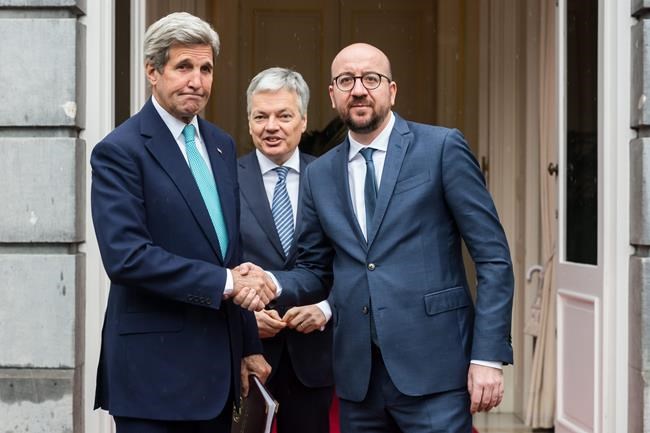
x=272 y=140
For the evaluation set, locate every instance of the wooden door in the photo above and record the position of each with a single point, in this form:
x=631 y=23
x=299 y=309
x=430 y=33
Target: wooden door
x=305 y=35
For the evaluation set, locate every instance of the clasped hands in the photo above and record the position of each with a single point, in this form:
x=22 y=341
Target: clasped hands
x=304 y=319
x=252 y=289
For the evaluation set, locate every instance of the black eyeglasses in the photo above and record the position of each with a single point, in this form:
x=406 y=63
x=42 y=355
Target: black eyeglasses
x=370 y=80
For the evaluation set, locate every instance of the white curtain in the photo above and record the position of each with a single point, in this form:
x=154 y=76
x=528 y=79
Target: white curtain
x=540 y=408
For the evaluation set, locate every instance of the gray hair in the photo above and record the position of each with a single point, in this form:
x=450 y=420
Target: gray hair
x=274 y=79
x=177 y=28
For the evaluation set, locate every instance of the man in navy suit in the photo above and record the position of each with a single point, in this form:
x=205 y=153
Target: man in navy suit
x=269 y=180
x=383 y=214
x=165 y=206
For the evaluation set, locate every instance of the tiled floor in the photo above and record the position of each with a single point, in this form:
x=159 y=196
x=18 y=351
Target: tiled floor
x=501 y=423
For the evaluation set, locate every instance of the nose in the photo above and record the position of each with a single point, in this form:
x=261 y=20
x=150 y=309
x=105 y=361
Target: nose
x=358 y=89
x=194 y=79
x=271 y=124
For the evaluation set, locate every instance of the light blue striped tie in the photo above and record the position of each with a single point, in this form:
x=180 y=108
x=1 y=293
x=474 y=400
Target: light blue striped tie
x=207 y=186
x=281 y=210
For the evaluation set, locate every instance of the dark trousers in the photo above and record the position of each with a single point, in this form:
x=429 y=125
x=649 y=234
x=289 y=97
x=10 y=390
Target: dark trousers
x=386 y=410
x=220 y=424
x=302 y=409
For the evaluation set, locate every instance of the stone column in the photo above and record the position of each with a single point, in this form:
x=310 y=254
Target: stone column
x=42 y=178
x=639 y=308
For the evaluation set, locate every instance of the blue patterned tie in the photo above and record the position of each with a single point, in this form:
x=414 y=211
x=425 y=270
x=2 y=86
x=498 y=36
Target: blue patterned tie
x=370 y=187
x=281 y=210
x=207 y=186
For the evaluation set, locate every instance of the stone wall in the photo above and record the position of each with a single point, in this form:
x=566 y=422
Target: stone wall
x=639 y=308
x=42 y=178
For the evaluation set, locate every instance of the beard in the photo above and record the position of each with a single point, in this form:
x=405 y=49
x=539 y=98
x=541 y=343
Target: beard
x=364 y=126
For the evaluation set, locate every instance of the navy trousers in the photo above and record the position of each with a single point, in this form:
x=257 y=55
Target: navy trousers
x=386 y=410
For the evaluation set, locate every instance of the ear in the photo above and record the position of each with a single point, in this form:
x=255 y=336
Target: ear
x=392 y=88
x=330 y=89
x=304 y=123
x=152 y=74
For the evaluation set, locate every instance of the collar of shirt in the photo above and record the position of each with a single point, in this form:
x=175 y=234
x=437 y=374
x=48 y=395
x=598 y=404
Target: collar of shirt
x=266 y=165
x=270 y=178
x=176 y=126
x=379 y=143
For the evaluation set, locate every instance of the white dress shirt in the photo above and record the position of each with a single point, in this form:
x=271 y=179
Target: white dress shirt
x=176 y=127
x=270 y=178
x=357 y=169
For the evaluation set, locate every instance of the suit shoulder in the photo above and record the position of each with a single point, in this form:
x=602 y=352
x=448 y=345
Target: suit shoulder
x=424 y=128
x=126 y=135
x=209 y=128
x=327 y=158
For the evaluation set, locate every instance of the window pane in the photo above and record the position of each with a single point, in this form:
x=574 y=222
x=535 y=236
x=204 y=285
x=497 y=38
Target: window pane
x=582 y=132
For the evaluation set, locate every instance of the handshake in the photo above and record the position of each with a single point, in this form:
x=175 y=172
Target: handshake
x=252 y=289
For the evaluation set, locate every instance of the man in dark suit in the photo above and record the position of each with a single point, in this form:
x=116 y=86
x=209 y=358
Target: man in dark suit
x=165 y=206
x=384 y=214
x=269 y=178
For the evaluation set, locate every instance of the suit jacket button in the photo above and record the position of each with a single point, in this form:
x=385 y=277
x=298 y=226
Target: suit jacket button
x=365 y=309
x=371 y=266
x=208 y=301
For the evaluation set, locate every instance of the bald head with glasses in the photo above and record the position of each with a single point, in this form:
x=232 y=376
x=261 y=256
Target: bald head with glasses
x=362 y=90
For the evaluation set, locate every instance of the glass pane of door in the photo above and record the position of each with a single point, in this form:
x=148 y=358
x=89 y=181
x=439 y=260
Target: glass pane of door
x=582 y=132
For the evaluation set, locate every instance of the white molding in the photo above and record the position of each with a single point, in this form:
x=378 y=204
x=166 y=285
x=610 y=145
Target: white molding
x=562 y=423
x=100 y=108
x=137 y=77
x=614 y=116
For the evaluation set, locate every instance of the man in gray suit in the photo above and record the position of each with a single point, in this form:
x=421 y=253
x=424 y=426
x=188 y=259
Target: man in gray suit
x=269 y=180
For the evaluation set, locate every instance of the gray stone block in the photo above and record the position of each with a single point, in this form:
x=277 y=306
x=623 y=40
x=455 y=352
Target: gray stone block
x=42 y=188
x=639 y=313
x=78 y=4
x=640 y=97
x=639 y=345
x=36 y=401
x=640 y=192
x=41 y=85
x=40 y=306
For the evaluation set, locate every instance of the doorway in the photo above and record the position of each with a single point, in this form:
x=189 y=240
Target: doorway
x=458 y=63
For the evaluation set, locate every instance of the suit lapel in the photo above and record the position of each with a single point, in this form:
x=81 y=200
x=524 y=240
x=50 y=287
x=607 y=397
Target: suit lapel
x=224 y=180
x=341 y=176
x=252 y=188
x=294 y=245
x=398 y=144
x=165 y=150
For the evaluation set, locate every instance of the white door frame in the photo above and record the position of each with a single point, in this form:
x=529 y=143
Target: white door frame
x=609 y=301
x=100 y=120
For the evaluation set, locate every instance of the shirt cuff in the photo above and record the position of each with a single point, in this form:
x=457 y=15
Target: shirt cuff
x=326 y=309
x=278 y=287
x=493 y=364
x=227 y=289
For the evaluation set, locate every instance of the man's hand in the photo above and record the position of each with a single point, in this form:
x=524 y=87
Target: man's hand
x=485 y=386
x=269 y=323
x=252 y=289
x=305 y=319
x=253 y=364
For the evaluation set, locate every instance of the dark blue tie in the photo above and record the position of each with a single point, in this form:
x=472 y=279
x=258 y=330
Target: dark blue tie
x=370 y=197
x=370 y=187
